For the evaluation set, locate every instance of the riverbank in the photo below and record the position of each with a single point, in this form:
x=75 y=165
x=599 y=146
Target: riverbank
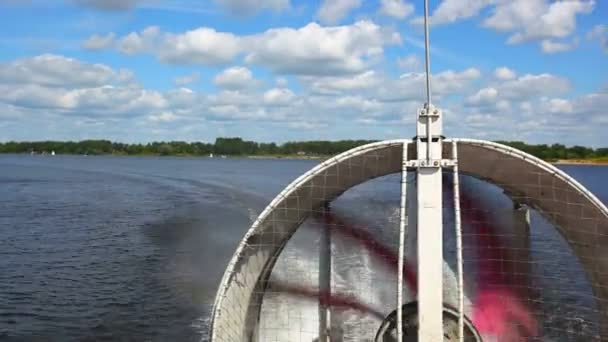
x=594 y=161
x=581 y=162
x=288 y=156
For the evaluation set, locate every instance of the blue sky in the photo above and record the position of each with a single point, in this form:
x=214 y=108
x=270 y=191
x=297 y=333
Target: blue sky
x=278 y=70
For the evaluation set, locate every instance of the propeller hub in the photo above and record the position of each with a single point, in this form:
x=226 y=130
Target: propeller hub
x=388 y=328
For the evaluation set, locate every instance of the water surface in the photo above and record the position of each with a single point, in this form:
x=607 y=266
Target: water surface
x=132 y=248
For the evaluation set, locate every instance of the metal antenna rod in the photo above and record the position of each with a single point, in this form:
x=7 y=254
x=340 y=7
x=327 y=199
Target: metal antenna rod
x=428 y=79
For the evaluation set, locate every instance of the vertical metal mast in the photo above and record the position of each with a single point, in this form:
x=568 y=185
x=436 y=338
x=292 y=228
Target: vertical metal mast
x=427 y=58
x=429 y=211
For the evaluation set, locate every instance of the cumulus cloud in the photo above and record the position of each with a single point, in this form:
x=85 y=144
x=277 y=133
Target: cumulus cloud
x=187 y=79
x=46 y=86
x=278 y=97
x=94 y=101
x=410 y=86
x=530 y=20
x=108 y=5
x=550 y=46
x=409 y=62
x=199 y=46
x=507 y=88
x=484 y=96
x=163 y=117
x=250 y=7
x=309 y=50
x=281 y=81
x=339 y=84
x=235 y=78
x=504 y=73
x=137 y=42
x=99 y=42
x=450 y=11
x=556 y=105
x=66 y=85
x=399 y=9
x=318 y=50
x=525 y=20
x=50 y=70
x=600 y=33
x=332 y=11
x=528 y=86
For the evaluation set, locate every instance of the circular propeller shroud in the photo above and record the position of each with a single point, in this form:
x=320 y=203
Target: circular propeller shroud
x=579 y=216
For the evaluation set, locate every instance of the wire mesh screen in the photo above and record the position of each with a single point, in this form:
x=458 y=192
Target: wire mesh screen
x=532 y=248
x=362 y=225
x=523 y=279
x=322 y=258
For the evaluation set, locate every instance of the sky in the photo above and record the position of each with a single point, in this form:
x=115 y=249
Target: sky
x=281 y=70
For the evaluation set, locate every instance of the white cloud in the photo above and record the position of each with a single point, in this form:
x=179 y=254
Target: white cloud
x=483 y=97
x=137 y=42
x=556 y=106
x=504 y=73
x=278 y=97
x=54 y=70
x=529 y=86
x=396 y=8
x=550 y=46
x=317 y=50
x=341 y=84
x=450 y=11
x=526 y=20
x=504 y=104
x=96 y=101
x=66 y=85
x=306 y=125
x=200 y=46
x=410 y=86
x=163 y=117
x=99 y=42
x=250 y=7
x=309 y=50
x=358 y=104
x=600 y=33
x=531 y=20
x=533 y=106
x=281 y=82
x=109 y=5
x=593 y=104
x=409 y=62
x=234 y=78
x=526 y=107
x=187 y=79
x=448 y=82
x=332 y=11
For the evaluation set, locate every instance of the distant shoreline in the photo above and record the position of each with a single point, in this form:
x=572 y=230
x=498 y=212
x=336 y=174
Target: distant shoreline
x=581 y=162
x=288 y=156
x=253 y=156
x=595 y=162
x=235 y=147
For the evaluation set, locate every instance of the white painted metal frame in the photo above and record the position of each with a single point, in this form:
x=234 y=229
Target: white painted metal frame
x=402 y=228
x=252 y=258
x=429 y=225
x=458 y=229
x=324 y=283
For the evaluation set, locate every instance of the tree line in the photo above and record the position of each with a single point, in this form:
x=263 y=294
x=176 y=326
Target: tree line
x=240 y=147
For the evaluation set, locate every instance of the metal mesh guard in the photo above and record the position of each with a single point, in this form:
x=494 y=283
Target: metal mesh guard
x=578 y=215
